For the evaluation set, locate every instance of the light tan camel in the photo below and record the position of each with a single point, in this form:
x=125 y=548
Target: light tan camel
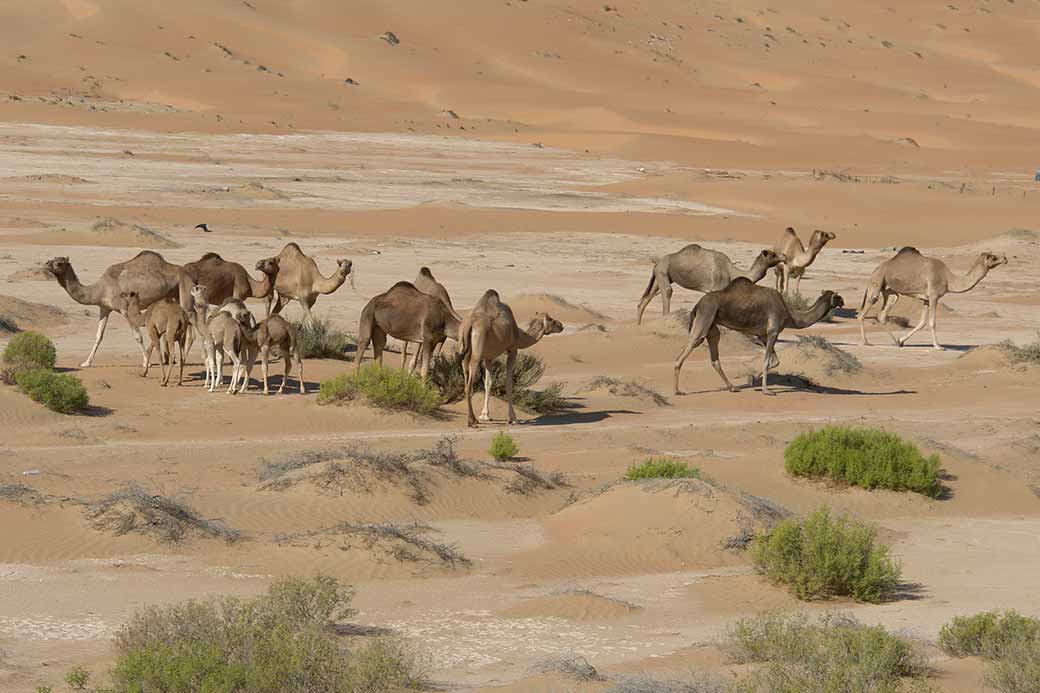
x=275 y=331
x=426 y=283
x=487 y=333
x=926 y=279
x=298 y=279
x=200 y=303
x=166 y=324
x=757 y=311
x=795 y=257
x=147 y=274
x=405 y=313
x=228 y=337
x=224 y=279
x=699 y=269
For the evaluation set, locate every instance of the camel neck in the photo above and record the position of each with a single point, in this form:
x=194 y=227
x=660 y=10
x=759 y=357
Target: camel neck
x=958 y=284
x=757 y=271
x=326 y=285
x=262 y=288
x=802 y=319
x=87 y=295
x=532 y=335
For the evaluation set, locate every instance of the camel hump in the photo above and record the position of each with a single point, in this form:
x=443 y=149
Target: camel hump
x=211 y=256
x=908 y=250
x=740 y=284
x=291 y=249
x=149 y=255
x=789 y=231
x=403 y=285
x=692 y=246
x=491 y=296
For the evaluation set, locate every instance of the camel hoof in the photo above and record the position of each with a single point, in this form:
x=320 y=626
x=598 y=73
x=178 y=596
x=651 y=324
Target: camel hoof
x=484 y=419
x=85 y=364
x=733 y=389
x=939 y=348
x=769 y=393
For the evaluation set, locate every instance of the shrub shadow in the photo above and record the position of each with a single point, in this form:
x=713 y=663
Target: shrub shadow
x=584 y=417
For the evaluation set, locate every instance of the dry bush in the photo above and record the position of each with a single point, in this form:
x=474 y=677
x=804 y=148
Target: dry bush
x=20 y=493
x=837 y=360
x=626 y=388
x=572 y=666
x=404 y=540
x=133 y=509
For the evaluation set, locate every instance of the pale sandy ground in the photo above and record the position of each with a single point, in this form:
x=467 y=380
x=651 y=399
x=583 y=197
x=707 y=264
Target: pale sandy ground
x=654 y=134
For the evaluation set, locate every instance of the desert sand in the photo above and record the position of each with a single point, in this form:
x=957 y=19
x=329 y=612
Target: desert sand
x=549 y=150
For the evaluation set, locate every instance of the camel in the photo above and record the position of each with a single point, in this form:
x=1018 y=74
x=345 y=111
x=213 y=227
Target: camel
x=146 y=274
x=166 y=324
x=487 y=333
x=926 y=279
x=699 y=269
x=276 y=331
x=425 y=283
x=757 y=311
x=224 y=279
x=795 y=258
x=228 y=337
x=407 y=314
x=298 y=278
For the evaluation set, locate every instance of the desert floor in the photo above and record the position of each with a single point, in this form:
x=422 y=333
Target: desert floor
x=566 y=181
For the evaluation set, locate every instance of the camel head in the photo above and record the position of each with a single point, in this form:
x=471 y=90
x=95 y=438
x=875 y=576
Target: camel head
x=268 y=266
x=764 y=260
x=344 y=266
x=550 y=325
x=200 y=296
x=833 y=300
x=130 y=299
x=425 y=272
x=58 y=266
x=821 y=238
x=990 y=260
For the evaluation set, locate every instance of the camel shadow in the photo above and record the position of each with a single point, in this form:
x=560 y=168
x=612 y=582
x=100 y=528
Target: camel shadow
x=577 y=417
x=781 y=383
x=949 y=347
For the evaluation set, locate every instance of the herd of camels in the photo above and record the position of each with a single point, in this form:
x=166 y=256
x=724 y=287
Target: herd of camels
x=171 y=303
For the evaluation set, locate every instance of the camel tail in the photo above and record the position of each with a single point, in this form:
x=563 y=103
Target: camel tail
x=692 y=317
x=465 y=340
x=650 y=285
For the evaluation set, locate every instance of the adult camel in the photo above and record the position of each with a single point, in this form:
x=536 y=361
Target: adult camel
x=756 y=311
x=924 y=278
x=699 y=269
x=224 y=279
x=299 y=279
x=146 y=274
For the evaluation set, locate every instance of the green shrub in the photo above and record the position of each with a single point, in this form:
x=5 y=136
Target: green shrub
x=1018 y=670
x=447 y=376
x=662 y=468
x=503 y=447
x=384 y=387
x=77 y=678
x=833 y=654
x=989 y=634
x=280 y=641
x=64 y=394
x=28 y=351
x=864 y=457
x=823 y=556
x=318 y=339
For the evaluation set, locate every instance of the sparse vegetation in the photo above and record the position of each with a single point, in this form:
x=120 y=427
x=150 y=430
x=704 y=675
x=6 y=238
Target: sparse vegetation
x=279 y=642
x=134 y=509
x=626 y=388
x=644 y=683
x=447 y=376
x=77 y=678
x=796 y=301
x=20 y=492
x=868 y=458
x=833 y=653
x=529 y=479
x=58 y=392
x=25 y=352
x=823 y=556
x=443 y=455
x=319 y=339
x=838 y=360
x=383 y=387
x=662 y=468
x=408 y=541
x=503 y=447
x=1028 y=354
x=572 y=666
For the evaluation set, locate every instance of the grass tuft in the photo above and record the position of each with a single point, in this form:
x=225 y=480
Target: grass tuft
x=503 y=447
x=832 y=653
x=662 y=468
x=864 y=457
x=383 y=387
x=824 y=556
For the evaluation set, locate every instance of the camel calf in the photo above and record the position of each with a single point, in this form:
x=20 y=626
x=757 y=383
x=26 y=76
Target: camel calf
x=276 y=331
x=166 y=323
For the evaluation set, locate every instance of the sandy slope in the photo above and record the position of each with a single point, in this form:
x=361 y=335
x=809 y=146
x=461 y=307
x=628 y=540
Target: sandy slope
x=587 y=141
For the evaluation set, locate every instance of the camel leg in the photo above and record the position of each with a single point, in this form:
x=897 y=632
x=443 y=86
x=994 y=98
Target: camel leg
x=299 y=373
x=152 y=343
x=713 y=352
x=770 y=343
x=265 y=354
x=218 y=370
x=180 y=348
x=645 y=300
x=236 y=365
x=510 y=360
x=307 y=303
x=666 y=298
x=279 y=303
x=870 y=297
x=778 y=271
x=889 y=300
x=934 y=308
x=167 y=371
x=486 y=414
x=285 y=374
x=189 y=337
x=470 y=364
x=798 y=283
x=786 y=279
x=378 y=345
x=103 y=314
x=703 y=320
x=924 y=317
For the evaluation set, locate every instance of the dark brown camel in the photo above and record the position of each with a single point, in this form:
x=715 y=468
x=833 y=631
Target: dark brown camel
x=754 y=310
x=405 y=313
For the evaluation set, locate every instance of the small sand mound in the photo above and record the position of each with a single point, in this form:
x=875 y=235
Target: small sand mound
x=116 y=232
x=625 y=388
x=573 y=605
x=526 y=305
x=988 y=357
x=816 y=357
x=405 y=543
x=26 y=315
x=645 y=526
x=252 y=191
x=134 y=509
